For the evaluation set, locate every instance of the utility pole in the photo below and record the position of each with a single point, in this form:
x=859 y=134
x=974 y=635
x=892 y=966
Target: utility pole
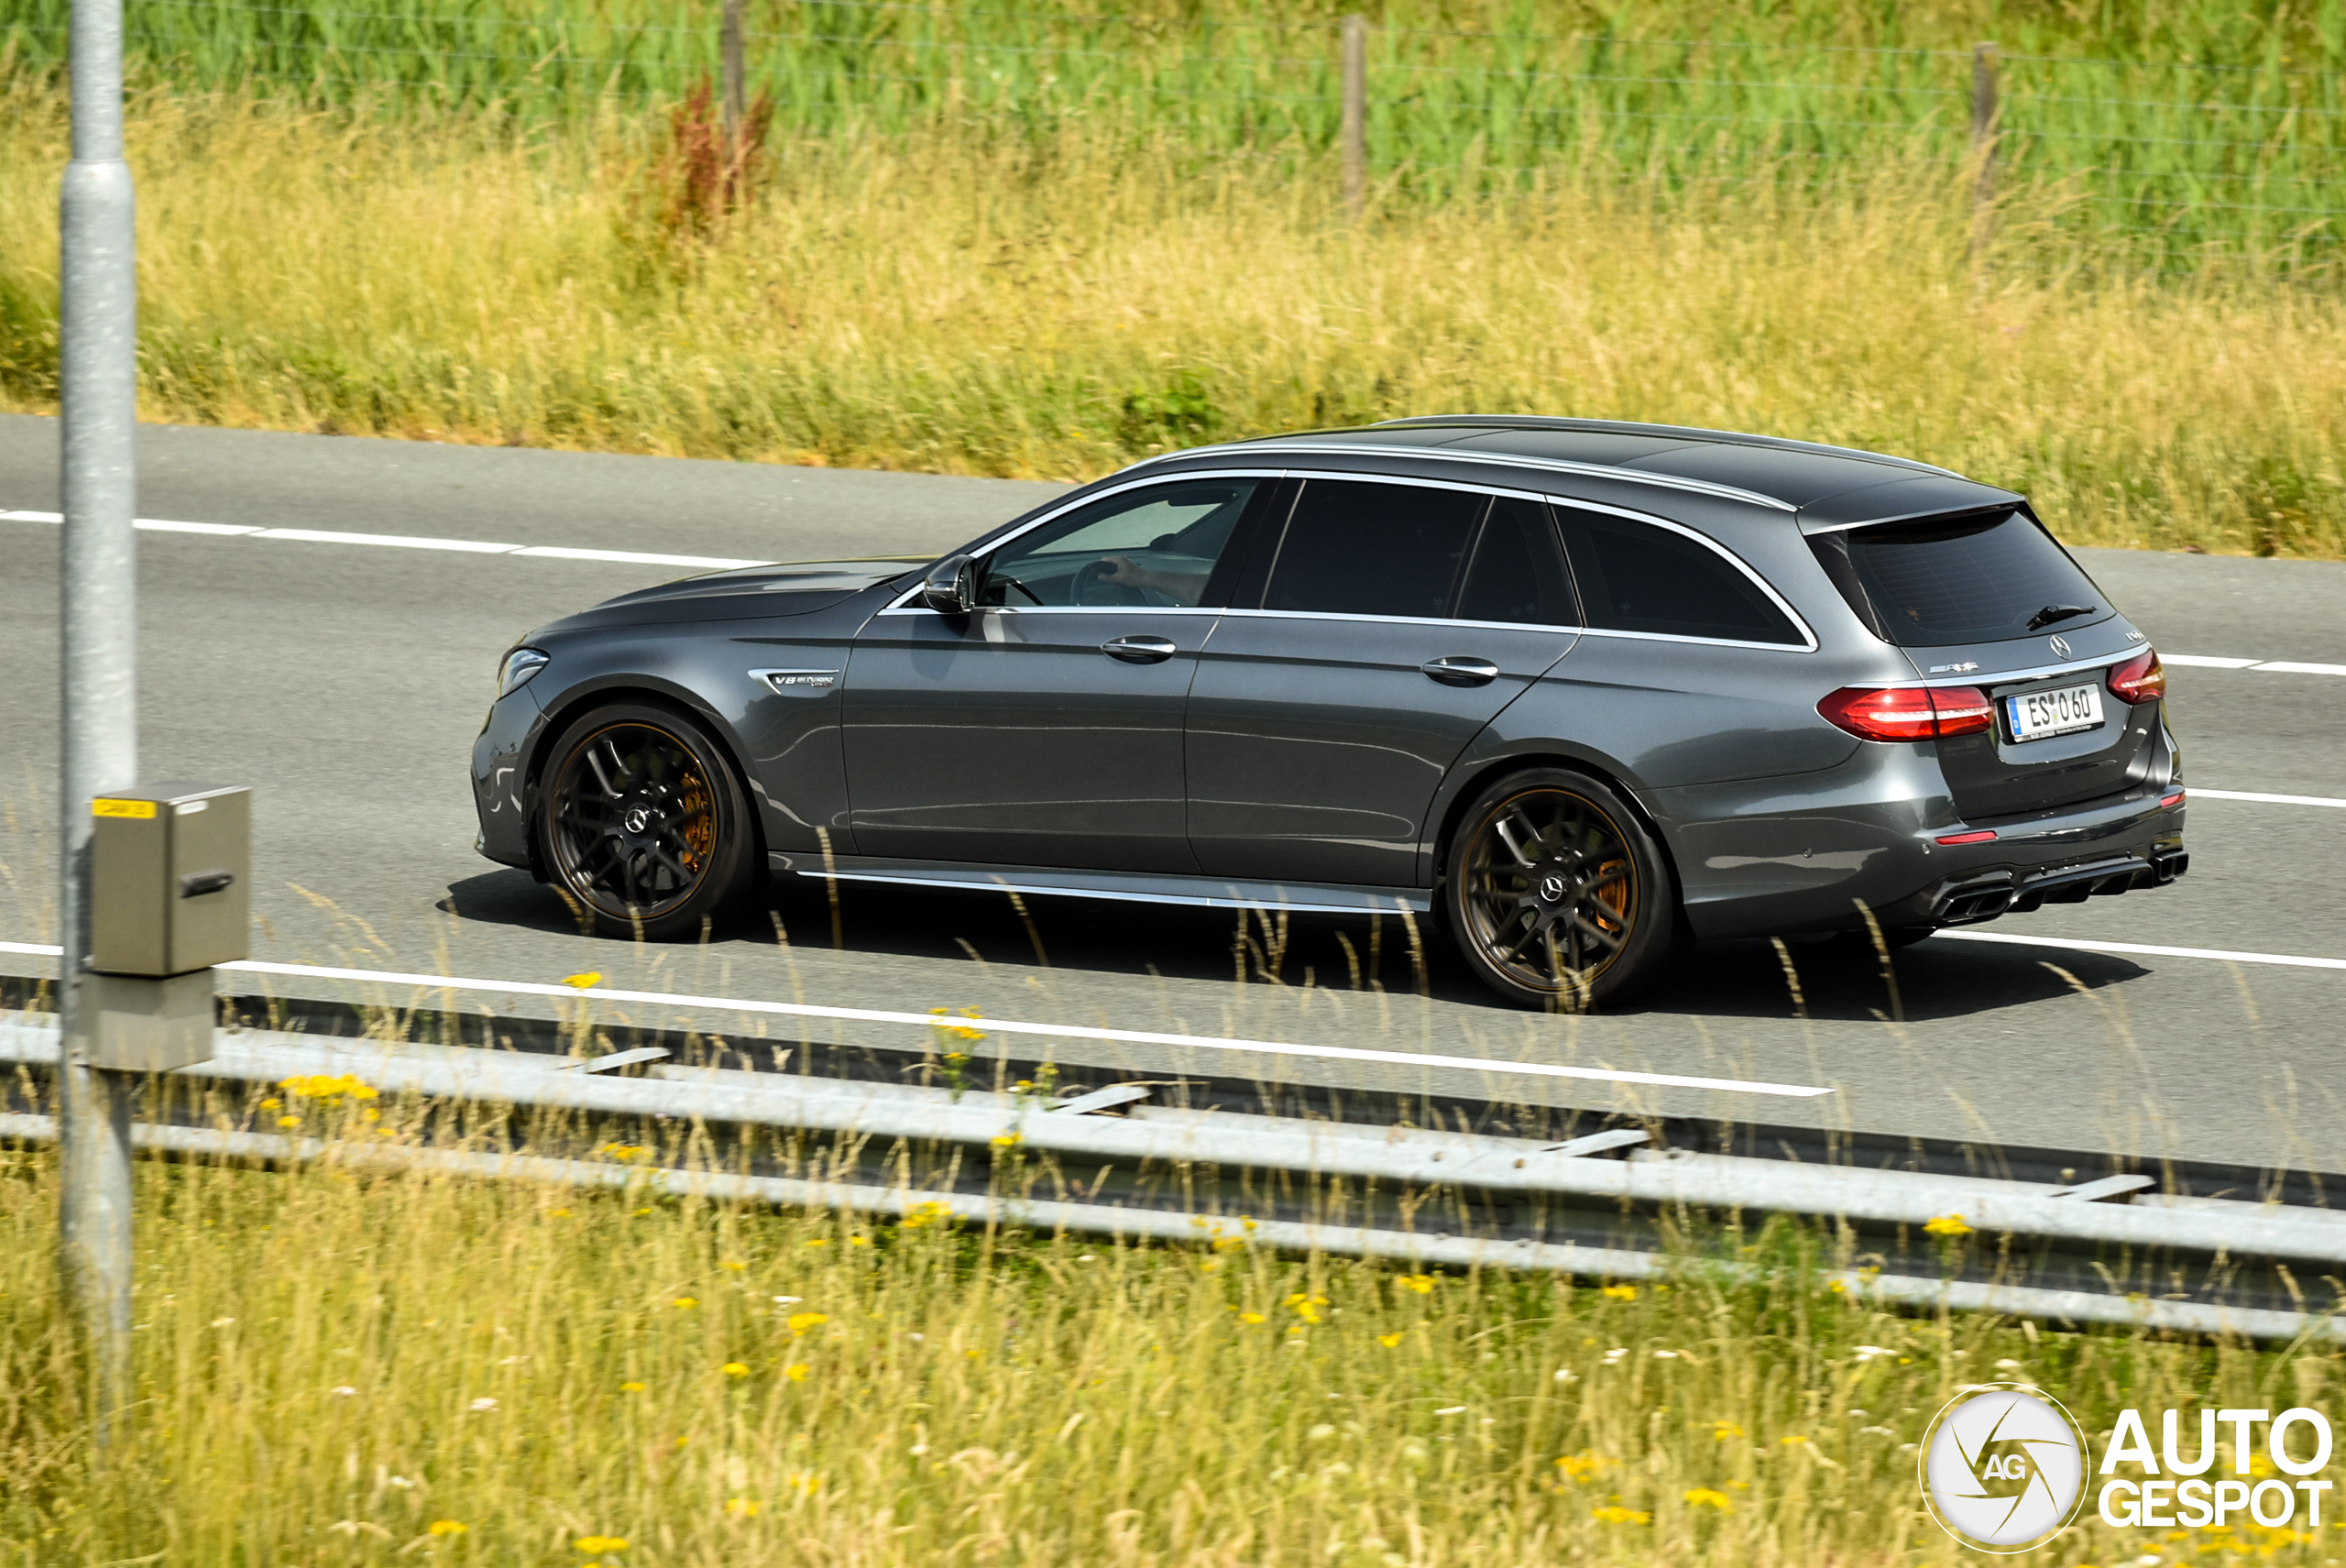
x=99 y=387
x=1355 y=131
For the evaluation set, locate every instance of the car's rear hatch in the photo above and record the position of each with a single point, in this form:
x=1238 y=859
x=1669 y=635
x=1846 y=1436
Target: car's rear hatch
x=1985 y=598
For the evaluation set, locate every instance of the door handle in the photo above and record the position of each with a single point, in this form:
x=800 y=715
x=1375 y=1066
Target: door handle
x=1457 y=671
x=1144 y=649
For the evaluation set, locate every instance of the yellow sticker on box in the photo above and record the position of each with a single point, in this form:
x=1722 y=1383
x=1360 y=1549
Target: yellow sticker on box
x=139 y=808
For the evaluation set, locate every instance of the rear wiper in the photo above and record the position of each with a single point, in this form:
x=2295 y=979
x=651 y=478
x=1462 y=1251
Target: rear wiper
x=2053 y=612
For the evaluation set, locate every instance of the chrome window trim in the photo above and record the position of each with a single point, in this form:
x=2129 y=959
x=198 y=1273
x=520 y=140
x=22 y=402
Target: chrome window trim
x=1404 y=620
x=1501 y=459
x=1799 y=621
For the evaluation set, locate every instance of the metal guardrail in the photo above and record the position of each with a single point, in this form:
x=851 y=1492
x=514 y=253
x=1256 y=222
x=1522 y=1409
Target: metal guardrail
x=1594 y=1205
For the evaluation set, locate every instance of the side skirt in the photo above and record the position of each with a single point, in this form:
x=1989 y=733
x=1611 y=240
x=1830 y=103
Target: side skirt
x=1201 y=891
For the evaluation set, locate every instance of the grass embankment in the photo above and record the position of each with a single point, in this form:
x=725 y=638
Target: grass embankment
x=345 y=1368
x=1057 y=307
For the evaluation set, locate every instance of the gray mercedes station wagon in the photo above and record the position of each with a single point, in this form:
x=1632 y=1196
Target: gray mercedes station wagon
x=1580 y=691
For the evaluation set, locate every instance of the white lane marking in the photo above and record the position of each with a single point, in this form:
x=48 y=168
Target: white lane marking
x=2198 y=794
x=158 y=525
x=2291 y=667
x=414 y=541
x=2202 y=660
x=637 y=557
x=1007 y=1026
x=2288 y=960
x=392 y=541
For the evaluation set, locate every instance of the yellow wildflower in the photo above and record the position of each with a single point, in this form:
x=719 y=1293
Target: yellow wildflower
x=735 y=1369
x=1621 y=1292
x=1705 y=1497
x=806 y=1483
x=1250 y=1317
x=1725 y=1430
x=1389 y=1341
x=1421 y=1283
x=631 y=1387
x=801 y=1322
x=921 y=1214
x=741 y=1507
x=686 y=1303
x=1947 y=1226
x=1307 y=1307
x=1613 y=1513
x=859 y=1241
x=1009 y=1140
x=444 y=1527
x=818 y=1241
x=582 y=982
x=288 y=1121
x=1581 y=1465
x=735 y=1264
x=797 y=1372
x=602 y=1543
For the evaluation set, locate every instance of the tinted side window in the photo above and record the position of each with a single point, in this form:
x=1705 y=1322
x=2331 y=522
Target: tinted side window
x=1362 y=548
x=1518 y=575
x=1156 y=547
x=1635 y=578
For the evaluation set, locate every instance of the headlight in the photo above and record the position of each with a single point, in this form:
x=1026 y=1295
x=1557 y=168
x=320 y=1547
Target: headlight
x=519 y=666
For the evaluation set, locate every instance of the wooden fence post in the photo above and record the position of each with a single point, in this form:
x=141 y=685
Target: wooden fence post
x=1355 y=121
x=735 y=72
x=1983 y=141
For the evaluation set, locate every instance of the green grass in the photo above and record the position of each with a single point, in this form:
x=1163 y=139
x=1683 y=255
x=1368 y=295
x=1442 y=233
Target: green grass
x=2178 y=135
x=332 y=1364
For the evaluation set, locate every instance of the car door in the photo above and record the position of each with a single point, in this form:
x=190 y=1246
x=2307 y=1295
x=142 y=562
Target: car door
x=1397 y=618
x=1044 y=728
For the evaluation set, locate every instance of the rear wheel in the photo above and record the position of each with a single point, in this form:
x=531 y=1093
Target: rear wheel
x=1557 y=894
x=643 y=822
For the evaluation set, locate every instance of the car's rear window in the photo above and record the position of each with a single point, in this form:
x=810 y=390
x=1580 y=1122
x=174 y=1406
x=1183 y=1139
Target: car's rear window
x=1978 y=578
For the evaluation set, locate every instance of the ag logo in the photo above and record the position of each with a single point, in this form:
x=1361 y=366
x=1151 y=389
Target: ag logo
x=2003 y=1468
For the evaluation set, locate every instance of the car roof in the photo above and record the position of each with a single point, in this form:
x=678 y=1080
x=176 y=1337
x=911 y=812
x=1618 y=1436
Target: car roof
x=1764 y=470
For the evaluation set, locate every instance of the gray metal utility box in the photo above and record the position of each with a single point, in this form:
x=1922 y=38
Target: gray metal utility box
x=170 y=878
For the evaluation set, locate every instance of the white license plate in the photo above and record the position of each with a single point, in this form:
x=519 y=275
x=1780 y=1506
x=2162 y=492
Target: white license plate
x=2065 y=710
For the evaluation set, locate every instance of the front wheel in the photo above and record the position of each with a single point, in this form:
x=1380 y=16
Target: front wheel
x=1557 y=894
x=642 y=824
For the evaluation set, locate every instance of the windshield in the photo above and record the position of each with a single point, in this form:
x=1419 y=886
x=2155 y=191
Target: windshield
x=1979 y=578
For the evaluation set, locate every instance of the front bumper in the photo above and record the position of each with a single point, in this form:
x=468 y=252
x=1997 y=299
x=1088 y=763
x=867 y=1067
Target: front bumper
x=500 y=781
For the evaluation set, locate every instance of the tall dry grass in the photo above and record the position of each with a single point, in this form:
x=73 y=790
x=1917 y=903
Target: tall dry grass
x=351 y=1367
x=1055 y=307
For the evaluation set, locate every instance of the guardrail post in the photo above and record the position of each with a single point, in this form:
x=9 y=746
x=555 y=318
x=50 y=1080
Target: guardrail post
x=98 y=377
x=1355 y=133
x=1983 y=142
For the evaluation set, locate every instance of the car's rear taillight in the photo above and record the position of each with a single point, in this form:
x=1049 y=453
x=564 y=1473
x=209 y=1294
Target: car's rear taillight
x=2139 y=680
x=1909 y=713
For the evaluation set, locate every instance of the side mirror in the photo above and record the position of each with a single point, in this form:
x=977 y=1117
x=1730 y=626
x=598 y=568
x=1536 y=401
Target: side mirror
x=952 y=589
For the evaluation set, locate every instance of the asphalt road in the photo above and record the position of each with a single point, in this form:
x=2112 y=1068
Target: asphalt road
x=345 y=683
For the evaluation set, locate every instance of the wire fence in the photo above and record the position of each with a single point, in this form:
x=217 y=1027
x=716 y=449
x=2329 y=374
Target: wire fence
x=2191 y=159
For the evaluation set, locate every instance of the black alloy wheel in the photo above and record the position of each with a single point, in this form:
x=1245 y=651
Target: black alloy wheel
x=643 y=822
x=1556 y=892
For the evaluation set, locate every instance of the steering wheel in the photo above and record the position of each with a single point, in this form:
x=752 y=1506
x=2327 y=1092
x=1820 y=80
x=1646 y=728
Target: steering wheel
x=1094 y=574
